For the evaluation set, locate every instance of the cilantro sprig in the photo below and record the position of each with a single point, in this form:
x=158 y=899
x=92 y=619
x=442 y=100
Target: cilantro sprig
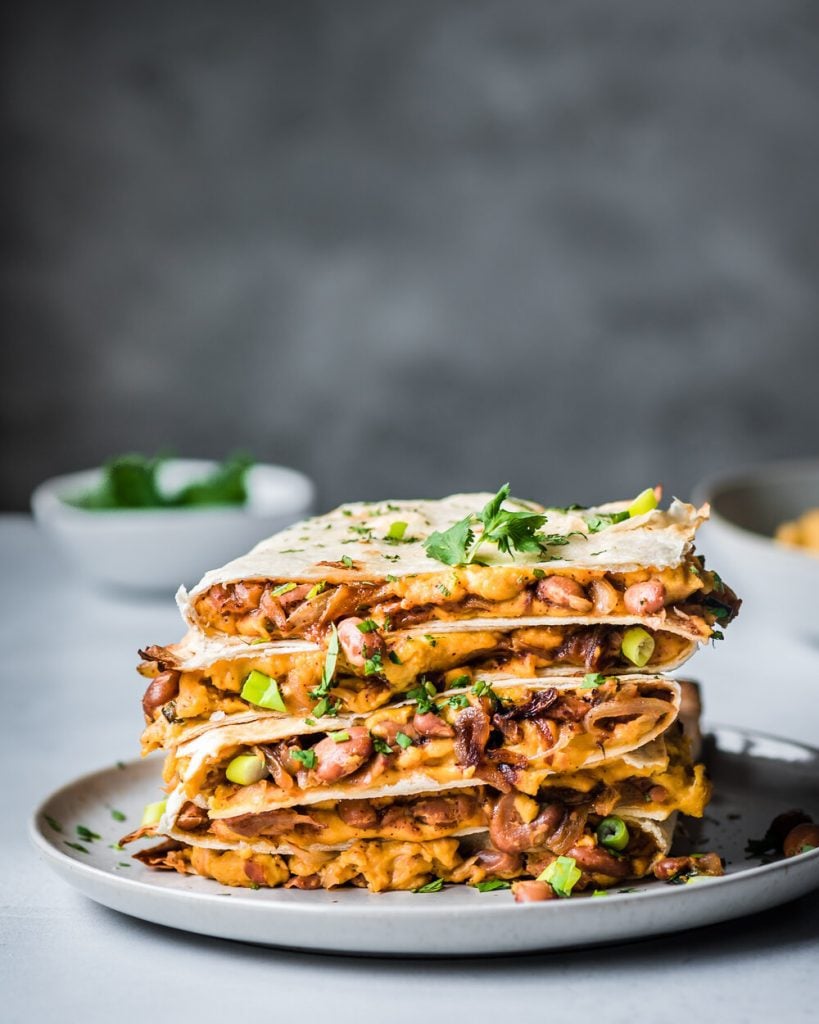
x=509 y=530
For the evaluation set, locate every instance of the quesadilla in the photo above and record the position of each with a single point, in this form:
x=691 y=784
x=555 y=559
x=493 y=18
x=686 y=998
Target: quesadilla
x=463 y=558
x=203 y=682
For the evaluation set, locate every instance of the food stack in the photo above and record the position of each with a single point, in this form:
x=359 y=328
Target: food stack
x=404 y=694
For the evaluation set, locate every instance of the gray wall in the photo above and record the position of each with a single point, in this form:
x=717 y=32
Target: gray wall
x=413 y=247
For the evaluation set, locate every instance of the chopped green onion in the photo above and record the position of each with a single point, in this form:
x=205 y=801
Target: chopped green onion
x=306 y=757
x=246 y=769
x=539 y=574
x=612 y=833
x=285 y=588
x=76 y=846
x=396 y=531
x=434 y=886
x=346 y=561
x=53 y=823
x=637 y=646
x=644 y=502
x=562 y=874
x=315 y=590
x=394 y=658
x=330 y=661
x=153 y=812
x=263 y=691
x=403 y=740
x=339 y=737
x=600 y=892
x=86 y=834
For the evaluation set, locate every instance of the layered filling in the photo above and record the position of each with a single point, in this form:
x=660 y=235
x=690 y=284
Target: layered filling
x=291 y=684
x=382 y=864
x=510 y=736
x=274 y=608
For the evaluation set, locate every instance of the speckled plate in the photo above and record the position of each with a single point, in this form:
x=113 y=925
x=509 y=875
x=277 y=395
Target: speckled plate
x=755 y=778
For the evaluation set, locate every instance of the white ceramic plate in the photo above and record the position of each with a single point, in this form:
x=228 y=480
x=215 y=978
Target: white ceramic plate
x=756 y=777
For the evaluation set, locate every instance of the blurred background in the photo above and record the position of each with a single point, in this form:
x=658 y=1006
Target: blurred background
x=412 y=248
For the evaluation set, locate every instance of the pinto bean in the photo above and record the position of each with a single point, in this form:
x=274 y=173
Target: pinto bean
x=803 y=835
x=191 y=817
x=511 y=834
x=564 y=592
x=658 y=794
x=645 y=598
x=255 y=872
x=532 y=891
x=599 y=862
x=604 y=596
x=358 y=646
x=430 y=724
x=444 y=810
x=497 y=863
x=335 y=760
x=358 y=813
x=303 y=882
x=782 y=824
x=161 y=689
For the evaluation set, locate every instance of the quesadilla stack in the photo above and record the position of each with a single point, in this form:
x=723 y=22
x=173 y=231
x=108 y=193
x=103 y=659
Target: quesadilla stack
x=402 y=694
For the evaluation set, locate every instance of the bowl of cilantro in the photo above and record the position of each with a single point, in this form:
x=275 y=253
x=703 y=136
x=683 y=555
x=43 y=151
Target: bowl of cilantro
x=150 y=524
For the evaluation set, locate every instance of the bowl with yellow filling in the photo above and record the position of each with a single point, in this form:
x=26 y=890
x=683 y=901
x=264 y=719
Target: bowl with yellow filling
x=764 y=531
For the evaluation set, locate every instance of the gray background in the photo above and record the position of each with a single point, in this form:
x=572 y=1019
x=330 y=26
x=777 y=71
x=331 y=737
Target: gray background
x=412 y=247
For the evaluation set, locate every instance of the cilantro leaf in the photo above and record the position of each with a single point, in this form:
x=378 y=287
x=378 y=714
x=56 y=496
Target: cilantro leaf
x=450 y=546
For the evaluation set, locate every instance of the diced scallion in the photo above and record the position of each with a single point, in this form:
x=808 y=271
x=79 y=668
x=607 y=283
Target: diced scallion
x=153 y=812
x=637 y=645
x=562 y=874
x=644 y=502
x=263 y=691
x=612 y=833
x=246 y=769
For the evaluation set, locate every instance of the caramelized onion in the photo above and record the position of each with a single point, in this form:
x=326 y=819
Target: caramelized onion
x=640 y=707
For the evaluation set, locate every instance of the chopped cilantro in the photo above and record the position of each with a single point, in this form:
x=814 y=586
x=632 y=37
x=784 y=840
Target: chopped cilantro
x=367 y=626
x=346 y=561
x=123 y=864
x=434 y=886
x=539 y=574
x=326 y=708
x=381 y=746
x=459 y=681
x=393 y=558
x=392 y=579
x=483 y=689
x=117 y=815
x=592 y=680
x=76 y=846
x=508 y=530
x=421 y=694
x=403 y=740
x=327 y=674
x=491 y=885
x=394 y=658
x=374 y=664
x=53 y=823
x=86 y=834
x=306 y=757
x=430 y=639
x=459 y=701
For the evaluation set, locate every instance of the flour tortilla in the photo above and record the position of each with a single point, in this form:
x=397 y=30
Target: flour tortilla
x=313 y=550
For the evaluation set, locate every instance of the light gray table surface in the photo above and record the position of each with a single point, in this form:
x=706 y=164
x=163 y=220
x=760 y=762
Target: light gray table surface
x=72 y=705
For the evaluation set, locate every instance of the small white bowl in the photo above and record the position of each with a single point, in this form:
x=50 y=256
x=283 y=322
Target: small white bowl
x=774 y=579
x=157 y=549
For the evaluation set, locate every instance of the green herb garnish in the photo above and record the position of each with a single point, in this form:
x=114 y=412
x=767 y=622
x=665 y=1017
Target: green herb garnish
x=285 y=588
x=381 y=746
x=53 y=823
x=403 y=740
x=306 y=757
x=396 y=531
x=117 y=815
x=367 y=626
x=422 y=695
x=592 y=680
x=339 y=737
x=76 y=846
x=131 y=481
x=346 y=561
x=86 y=834
x=491 y=885
x=263 y=691
x=562 y=874
x=434 y=886
x=374 y=664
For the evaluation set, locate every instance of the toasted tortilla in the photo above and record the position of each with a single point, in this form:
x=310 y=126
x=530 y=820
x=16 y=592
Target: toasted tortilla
x=351 y=543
